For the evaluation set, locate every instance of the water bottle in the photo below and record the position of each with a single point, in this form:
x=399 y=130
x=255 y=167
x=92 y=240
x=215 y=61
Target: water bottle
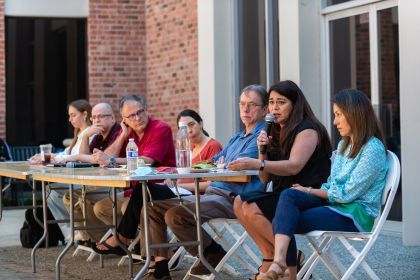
x=132 y=156
x=183 y=149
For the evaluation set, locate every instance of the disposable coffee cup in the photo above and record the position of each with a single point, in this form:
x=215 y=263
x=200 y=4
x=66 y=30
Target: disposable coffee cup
x=45 y=153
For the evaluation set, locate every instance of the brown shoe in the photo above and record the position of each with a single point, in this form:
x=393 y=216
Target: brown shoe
x=212 y=258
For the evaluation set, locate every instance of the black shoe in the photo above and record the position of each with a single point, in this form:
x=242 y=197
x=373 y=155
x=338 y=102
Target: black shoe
x=212 y=258
x=178 y=260
x=109 y=251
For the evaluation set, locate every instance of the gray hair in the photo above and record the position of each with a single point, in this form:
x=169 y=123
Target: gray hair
x=132 y=97
x=262 y=92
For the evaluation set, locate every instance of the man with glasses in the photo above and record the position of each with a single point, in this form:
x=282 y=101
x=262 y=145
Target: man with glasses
x=217 y=202
x=154 y=142
x=103 y=132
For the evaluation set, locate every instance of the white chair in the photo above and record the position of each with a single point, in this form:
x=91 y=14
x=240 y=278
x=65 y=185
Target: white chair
x=320 y=241
x=220 y=227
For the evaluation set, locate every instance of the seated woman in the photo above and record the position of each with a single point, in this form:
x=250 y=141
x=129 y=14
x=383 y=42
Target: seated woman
x=351 y=198
x=204 y=148
x=298 y=151
x=79 y=112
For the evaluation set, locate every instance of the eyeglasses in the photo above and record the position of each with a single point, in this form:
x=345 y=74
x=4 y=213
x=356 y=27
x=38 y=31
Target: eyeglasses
x=250 y=105
x=133 y=116
x=99 y=117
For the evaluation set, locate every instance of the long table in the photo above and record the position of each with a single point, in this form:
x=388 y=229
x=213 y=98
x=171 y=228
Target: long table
x=102 y=177
x=221 y=175
x=14 y=170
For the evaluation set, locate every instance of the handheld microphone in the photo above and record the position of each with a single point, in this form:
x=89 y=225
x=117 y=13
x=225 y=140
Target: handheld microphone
x=269 y=119
x=73 y=164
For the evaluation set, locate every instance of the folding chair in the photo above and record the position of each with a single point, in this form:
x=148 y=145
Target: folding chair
x=320 y=241
x=239 y=239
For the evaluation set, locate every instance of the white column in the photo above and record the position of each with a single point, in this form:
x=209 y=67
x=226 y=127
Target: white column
x=409 y=42
x=300 y=49
x=289 y=40
x=215 y=69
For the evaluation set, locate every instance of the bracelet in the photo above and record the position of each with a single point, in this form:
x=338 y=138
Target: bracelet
x=309 y=190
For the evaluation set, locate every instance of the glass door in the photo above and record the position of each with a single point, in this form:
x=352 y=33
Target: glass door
x=361 y=51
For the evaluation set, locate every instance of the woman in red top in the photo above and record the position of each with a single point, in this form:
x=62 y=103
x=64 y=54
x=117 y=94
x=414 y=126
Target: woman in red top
x=204 y=148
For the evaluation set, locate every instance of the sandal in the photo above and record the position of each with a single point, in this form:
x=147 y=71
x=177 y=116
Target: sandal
x=300 y=260
x=111 y=250
x=258 y=273
x=272 y=274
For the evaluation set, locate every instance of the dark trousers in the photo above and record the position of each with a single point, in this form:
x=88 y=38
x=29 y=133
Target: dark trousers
x=299 y=212
x=131 y=218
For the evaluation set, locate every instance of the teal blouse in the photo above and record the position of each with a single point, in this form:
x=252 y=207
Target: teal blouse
x=355 y=185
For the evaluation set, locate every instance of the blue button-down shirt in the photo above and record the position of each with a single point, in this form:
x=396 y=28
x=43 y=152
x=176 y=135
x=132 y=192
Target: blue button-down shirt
x=240 y=146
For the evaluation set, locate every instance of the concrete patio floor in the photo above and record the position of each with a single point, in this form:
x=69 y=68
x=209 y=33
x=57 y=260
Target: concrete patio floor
x=389 y=258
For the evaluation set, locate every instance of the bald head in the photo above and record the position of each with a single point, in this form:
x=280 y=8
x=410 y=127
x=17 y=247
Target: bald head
x=104 y=107
x=103 y=116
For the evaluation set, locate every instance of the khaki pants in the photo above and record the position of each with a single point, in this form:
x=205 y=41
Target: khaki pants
x=93 y=195
x=103 y=208
x=215 y=203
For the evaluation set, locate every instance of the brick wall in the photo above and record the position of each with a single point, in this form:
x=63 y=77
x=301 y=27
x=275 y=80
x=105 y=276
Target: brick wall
x=2 y=75
x=172 y=58
x=149 y=47
x=116 y=50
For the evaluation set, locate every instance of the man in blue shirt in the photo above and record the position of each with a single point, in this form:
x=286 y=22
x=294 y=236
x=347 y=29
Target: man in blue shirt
x=217 y=202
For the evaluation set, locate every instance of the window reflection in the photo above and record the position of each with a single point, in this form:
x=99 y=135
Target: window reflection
x=349 y=56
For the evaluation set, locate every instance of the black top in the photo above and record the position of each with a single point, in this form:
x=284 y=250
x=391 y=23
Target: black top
x=313 y=174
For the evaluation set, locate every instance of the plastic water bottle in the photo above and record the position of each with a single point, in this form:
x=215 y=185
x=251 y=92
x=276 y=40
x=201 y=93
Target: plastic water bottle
x=132 y=156
x=183 y=149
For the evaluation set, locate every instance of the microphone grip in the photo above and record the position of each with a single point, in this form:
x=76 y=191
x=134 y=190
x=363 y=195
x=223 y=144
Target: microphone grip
x=263 y=149
x=267 y=129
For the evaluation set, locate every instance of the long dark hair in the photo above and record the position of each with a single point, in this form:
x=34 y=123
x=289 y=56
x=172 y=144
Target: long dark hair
x=301 y=111
x=193 y=114
x=359 y=113
x=80 y=105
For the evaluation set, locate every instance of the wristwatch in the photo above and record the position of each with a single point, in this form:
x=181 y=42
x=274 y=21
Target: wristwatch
x=262 y=165
x=112 y=161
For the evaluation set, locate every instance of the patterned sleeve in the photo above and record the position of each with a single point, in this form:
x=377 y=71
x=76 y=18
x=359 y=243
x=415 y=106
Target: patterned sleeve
x=372 y=156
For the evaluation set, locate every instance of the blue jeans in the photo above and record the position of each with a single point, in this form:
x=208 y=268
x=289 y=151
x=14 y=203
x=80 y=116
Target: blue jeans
x=299 y=212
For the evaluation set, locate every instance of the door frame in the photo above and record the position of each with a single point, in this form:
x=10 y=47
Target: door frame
x=345 y=10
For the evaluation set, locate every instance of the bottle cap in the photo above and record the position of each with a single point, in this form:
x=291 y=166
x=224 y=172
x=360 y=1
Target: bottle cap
x=131 y=140
x=182 y=124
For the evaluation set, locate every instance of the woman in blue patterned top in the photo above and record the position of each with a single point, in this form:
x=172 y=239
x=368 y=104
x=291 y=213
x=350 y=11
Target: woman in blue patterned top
x=350 y=200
